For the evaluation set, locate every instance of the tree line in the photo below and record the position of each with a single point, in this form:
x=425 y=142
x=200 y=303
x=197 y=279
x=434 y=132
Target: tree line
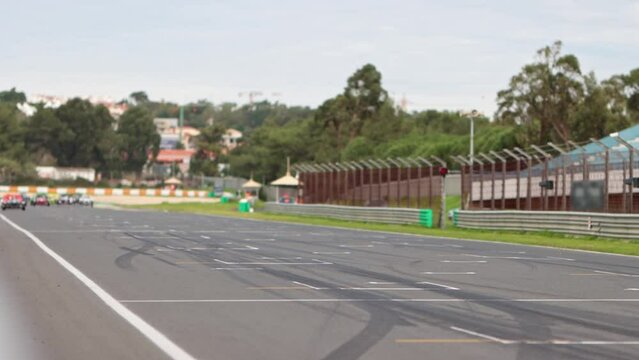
x=550 y=99
x=76 y=134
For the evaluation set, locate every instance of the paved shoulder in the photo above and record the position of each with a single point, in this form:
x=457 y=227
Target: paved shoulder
x=55 y=315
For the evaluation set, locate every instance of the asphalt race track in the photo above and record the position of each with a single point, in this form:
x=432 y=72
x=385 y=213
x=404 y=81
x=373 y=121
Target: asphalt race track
x=106 y=284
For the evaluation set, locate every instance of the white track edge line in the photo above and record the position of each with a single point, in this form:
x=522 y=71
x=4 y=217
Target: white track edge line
x=480 y=335
x=156 y=337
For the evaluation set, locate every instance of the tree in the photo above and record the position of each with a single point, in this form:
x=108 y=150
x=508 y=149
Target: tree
x=543 y=95
x=139 y=97
x=209 y=148
x=12 y=96
x=14 y=159
x=138 y=139
x=44 y=134
x=631 y=82
x=267 y=148
x=594 y=117
x=364 y=97
x=89 y=130
x=332 y=120
x=363 y=107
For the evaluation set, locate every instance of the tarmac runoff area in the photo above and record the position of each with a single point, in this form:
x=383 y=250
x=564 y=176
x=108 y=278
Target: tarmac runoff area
x=86 y=283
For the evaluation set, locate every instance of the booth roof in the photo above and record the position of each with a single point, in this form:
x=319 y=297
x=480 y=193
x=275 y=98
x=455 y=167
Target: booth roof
x=286 y=180
x=251 y=184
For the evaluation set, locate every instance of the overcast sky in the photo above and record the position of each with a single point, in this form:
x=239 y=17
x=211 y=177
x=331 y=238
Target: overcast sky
x=440 y=54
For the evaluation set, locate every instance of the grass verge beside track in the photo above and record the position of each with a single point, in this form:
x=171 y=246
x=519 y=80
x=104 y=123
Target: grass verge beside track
x=615 y=246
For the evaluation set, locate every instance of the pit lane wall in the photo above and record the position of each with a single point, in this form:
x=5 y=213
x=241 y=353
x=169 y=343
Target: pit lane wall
x=624 y=226
x=104 y=191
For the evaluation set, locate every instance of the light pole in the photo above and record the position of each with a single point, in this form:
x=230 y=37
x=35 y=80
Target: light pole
x=472 y=115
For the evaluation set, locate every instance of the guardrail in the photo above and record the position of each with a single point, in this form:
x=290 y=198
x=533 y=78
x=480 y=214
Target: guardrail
x=624 y=226
x=104 y=191
x=423 y=217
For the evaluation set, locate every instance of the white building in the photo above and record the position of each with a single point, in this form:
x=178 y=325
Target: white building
x=230 y=139
x=62 y=173
x=165 y=124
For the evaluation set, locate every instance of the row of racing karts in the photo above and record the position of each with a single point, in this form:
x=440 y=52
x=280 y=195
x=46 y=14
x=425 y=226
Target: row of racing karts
x=20 y=201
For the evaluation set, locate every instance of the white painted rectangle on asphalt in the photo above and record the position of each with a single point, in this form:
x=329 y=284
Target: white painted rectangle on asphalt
x=439 y=285
x=311 y=262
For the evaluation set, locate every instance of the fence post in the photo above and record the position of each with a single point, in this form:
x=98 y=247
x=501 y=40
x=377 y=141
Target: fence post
x=503 y=178
x=545 y=175
x=342 y=190
x=331 y=184
x=379 y=179
x=481 y=182
x=419 y=181
x=408 y=179
x=349 y=183
x=606 y=172
x=399 y=180
x=383 y=164
x=316 y=181
x=324 y=184
x=388 y=183
x=529 y=180
x=335 y=183
x=586 y=174
x=346 y=183
x=564 y=155
x=430 y=180
x=442 y=206
x=463 y=163
x=631 y=158
x=518 y=170
x=305 y=181
x=370 y=168
x=492 y=179
x=361 y=169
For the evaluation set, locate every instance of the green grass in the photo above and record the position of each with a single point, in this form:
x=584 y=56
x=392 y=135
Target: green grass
x=616 y=246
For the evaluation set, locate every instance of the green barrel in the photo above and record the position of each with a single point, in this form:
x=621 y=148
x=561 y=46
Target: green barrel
x=244 y=206
x=426 y=217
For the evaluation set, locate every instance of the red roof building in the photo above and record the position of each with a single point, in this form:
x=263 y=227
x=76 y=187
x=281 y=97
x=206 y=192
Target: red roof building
x=172 y=155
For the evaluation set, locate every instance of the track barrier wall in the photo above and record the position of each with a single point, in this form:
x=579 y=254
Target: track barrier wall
x=422 y=217
x=625 y=226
